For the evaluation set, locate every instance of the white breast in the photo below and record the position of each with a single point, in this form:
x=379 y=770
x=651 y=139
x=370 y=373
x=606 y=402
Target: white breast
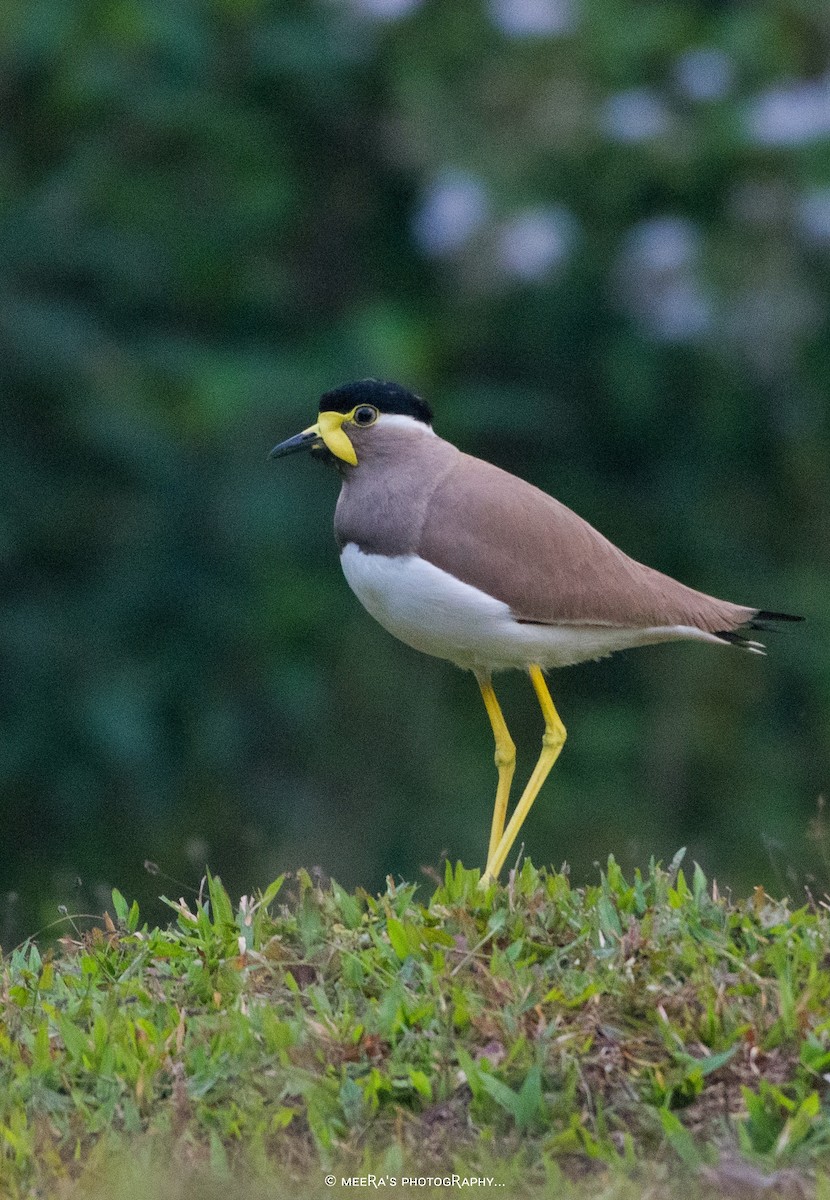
x=436 y=613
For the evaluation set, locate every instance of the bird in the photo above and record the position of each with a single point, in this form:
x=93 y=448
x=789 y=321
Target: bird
x=462 y=560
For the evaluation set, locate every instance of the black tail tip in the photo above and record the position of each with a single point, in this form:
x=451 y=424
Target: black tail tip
x=759 y=621
x=764 y=621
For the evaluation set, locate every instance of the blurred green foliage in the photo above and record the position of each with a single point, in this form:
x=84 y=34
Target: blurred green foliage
x=595 y=234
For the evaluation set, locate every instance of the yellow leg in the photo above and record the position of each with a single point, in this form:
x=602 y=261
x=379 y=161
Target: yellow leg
x=553 y=740
x=505 y=760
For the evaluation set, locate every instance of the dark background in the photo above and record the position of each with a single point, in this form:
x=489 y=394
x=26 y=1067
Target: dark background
x=595 y=234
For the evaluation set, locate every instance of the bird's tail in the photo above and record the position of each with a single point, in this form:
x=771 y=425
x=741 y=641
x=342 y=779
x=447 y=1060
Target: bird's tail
x=763 y=622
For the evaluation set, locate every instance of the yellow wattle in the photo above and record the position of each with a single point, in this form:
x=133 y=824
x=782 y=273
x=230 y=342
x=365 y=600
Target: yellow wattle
x=330 y=428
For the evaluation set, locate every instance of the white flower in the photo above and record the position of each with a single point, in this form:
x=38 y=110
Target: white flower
x=386 y=10
x=657 y=282
x=663 y=243
x=535 y=242
x=638 y=115
x=453 y=208
x=814 y=215
x=791 y=114
x=533 y=18
x=704 y=74
x=680 y=312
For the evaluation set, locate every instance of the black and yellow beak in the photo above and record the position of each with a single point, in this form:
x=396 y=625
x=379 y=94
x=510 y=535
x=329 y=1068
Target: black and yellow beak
x=328 y=430
x=300 y=441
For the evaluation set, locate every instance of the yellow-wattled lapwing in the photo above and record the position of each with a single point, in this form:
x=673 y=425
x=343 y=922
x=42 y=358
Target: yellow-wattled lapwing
x=459 y=559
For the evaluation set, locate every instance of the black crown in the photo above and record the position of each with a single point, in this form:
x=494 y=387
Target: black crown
x=385 y=397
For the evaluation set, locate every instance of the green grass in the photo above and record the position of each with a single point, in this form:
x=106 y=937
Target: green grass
x=615 y=1040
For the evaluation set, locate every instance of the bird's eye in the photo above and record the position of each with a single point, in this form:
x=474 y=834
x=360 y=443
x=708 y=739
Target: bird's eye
x=365 y=415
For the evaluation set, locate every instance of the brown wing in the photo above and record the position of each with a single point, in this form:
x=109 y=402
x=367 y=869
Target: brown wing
x=514 y=542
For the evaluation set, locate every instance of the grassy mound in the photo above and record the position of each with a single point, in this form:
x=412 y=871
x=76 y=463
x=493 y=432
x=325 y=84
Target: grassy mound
x=606 y=1040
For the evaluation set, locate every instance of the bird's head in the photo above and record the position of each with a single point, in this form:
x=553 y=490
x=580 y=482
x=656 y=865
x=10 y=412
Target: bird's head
x=351 y=415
